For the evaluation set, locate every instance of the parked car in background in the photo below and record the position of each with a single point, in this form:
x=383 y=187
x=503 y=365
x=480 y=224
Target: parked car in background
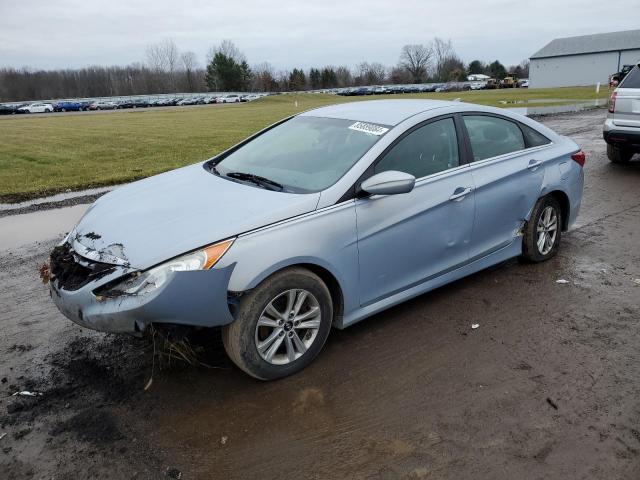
x=440 y=190
x=523 y=83
x=231 y=98
x=126 y=103
x=622 y=126
x=479 y=85
x=36 y=108
x=7 y=109
x=67 y=107
x=101 y=105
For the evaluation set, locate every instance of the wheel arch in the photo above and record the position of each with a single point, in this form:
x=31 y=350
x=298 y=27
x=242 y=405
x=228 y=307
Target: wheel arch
x=318 y=267
x=565 y=206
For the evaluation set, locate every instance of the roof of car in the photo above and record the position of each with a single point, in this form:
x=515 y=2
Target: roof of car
x=384 y=112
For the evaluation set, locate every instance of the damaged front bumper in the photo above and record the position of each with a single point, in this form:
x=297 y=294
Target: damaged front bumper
x=193 y=298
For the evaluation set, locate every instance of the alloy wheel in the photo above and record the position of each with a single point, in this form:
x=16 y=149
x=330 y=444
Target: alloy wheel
x=288 y=326
x=547 y=229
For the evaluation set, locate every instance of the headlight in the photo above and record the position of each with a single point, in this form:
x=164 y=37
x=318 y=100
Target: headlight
x=149 y=280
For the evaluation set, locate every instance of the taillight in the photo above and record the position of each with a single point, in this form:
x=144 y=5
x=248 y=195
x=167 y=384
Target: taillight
x=612 y=102
x=579 y=157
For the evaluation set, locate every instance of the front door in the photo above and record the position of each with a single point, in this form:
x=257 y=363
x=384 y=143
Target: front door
x=406 y=239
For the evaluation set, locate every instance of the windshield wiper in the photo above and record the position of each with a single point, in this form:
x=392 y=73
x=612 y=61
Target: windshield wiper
x=257 y=179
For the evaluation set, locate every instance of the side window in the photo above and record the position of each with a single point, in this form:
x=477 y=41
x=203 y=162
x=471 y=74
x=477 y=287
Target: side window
x=492 y=136
x=533 y=137
x=429 y=149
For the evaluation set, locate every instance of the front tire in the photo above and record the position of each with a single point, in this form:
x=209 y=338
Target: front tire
x=543 y=231
x=281 y=325
x=619 y=154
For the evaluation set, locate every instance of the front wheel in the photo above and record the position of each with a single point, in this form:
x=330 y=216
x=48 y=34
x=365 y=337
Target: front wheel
x=543 y=231
x=281 y=325
x=619 y=154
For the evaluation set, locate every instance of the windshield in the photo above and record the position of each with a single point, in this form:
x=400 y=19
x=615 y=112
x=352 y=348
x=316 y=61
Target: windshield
x=304 y=154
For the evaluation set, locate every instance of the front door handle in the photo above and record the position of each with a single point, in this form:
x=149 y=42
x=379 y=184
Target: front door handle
x=460 y=193
x=533 y=164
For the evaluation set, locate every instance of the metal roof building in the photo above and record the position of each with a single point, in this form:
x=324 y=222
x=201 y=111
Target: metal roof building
x=583 y=60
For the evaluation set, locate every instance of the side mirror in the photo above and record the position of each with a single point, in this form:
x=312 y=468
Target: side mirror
x=390 y=182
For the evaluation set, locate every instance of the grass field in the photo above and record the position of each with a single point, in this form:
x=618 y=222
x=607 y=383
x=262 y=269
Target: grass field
x=41 y=155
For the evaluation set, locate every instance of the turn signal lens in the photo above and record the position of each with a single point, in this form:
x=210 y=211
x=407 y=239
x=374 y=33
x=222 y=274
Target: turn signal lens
x=215 y=252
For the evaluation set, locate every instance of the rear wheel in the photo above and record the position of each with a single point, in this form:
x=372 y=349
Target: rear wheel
x=619 y=154
x=542 y=233
x=281 y=325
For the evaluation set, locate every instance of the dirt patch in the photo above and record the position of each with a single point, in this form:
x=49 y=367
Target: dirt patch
x=92 y=425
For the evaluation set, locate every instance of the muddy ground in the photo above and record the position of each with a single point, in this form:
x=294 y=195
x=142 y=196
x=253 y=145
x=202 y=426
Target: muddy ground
x=548 y=386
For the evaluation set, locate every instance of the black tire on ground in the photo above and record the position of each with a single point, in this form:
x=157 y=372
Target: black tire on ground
x=530 y=250
x=619 y=154
x=239 y=336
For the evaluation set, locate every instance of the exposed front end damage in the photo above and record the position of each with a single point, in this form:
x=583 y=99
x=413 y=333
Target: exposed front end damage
x=80 y=288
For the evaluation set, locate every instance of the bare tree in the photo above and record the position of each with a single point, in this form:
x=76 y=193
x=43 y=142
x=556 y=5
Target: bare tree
x=164 y=57
x=400 y=75
x=371 y=73
x=442 y=52
x=189 y=64
x=344 y=77
x=416 y=59
x=264 y=79
x=228 y=49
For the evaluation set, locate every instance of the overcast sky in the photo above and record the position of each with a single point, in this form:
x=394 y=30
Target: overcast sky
x=294 y=33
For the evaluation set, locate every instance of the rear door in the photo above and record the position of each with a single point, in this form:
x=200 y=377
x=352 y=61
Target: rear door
x=627 y=110
x=507 y=176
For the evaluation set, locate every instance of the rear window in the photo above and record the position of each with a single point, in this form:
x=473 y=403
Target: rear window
x=533 y=137
x=632 y=80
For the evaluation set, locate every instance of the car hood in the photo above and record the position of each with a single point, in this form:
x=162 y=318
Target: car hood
x=147 y=222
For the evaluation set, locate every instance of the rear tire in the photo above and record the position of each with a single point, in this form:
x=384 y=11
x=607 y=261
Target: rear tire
x=619 y=154
x=543 y=231
x=244 y=337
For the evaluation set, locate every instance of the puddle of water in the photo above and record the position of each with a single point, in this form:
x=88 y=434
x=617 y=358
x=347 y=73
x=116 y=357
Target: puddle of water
x=549 y=109
x=56 y=198
x=19 y=230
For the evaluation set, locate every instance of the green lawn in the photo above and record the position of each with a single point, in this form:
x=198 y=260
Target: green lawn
x=45 y=155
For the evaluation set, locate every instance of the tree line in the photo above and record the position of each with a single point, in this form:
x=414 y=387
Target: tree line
x=167 y=70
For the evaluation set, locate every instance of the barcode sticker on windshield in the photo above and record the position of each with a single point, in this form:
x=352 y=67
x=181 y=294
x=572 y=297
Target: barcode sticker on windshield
x=369 y=128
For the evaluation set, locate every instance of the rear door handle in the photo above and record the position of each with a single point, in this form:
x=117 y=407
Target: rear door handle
x=533 y=164
x=460 y=193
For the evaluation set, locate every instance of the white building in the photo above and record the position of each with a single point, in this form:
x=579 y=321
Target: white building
x=478 y=77
x=584 y=60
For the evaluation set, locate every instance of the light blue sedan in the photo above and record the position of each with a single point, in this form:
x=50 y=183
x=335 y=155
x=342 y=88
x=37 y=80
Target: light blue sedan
x=320 y=220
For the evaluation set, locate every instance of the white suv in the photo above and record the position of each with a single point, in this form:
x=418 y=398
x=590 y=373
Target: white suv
x=622 y=127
